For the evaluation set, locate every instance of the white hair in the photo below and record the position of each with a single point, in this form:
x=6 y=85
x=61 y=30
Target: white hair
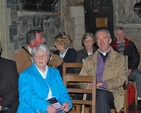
x=42 y=47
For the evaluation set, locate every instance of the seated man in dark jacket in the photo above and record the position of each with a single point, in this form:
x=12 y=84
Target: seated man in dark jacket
x=8 y=85
x=127 y=47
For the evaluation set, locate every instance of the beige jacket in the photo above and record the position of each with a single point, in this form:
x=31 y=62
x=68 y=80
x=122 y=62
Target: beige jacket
x=115 y=74
x=23 y=60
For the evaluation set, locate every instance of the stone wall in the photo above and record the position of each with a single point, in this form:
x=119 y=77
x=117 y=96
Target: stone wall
x=123 y=11
x=22 y=21
x=73 y=21
x=67 y=17
x=14 y=24
x=48 y=24
x=51 y=23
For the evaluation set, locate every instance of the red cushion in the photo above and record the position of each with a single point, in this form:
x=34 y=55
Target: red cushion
x=131 y=94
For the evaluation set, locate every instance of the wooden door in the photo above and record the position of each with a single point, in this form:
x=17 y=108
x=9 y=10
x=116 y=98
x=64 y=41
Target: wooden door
x=98 y=14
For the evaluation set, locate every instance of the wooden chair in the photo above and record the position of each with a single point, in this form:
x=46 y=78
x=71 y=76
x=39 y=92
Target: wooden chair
x=74 y=65
x=131 y=82
x=79 y=65
x=125 y=106
x=67 y=65
x=51 y=65
x=75 y=78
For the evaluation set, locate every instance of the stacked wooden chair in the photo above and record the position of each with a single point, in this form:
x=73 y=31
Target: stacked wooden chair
x=77 y=104
x=74 y=79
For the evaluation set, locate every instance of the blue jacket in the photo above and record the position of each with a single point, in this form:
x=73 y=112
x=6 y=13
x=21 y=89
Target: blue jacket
x=33 y=90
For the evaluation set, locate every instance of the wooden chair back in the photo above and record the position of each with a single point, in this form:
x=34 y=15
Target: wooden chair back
x=51 y=65
x=67 y=65
x=125 y=106
x=131 y=82
x=73 y=78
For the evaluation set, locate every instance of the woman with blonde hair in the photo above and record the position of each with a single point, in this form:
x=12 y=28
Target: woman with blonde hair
x=69 y=54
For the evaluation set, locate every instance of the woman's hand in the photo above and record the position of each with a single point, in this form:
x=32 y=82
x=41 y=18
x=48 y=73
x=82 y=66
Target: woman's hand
x=65 y=107
x=129 y=71
x=89 y=86
x=0 y=107
x=51 y=109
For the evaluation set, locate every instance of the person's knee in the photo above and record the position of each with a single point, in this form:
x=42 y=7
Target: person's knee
x=138 y=77
x=101 y=94
x=136 y=72
x=135 y=76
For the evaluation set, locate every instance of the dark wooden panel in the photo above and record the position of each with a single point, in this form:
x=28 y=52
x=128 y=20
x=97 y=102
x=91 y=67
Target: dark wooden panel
x=98 y=14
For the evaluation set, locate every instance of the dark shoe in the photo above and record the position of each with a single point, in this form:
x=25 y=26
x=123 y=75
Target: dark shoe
x=136 y=107
x=139 y=102
x=6 y=109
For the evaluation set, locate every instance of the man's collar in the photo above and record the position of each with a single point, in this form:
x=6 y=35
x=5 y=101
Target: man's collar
x=121 y=42
x=104 y=53
x=29 y=49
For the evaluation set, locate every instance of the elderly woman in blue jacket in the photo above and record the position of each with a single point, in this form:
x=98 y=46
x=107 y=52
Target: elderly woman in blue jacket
x=39 y=83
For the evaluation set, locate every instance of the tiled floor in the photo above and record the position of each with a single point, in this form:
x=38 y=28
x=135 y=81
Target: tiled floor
x=136 y=110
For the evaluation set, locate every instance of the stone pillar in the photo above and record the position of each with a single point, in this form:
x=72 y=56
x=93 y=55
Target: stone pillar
x=4 y=29
x=77 y=12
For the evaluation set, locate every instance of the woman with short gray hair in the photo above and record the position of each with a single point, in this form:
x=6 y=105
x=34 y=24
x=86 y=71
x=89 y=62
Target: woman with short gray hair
x=88 y=41
x=42 y=47
x=40 y=83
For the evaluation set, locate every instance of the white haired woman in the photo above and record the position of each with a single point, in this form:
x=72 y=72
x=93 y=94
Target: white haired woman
x=39 y=83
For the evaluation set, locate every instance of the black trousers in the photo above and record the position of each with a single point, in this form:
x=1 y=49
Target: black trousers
x=104 y=101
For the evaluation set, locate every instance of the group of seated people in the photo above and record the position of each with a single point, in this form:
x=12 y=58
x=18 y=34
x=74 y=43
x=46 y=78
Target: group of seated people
x=37 y=82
